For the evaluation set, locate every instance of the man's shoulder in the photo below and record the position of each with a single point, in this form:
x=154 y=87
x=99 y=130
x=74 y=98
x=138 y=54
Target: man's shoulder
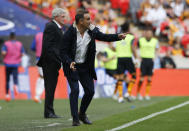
x=19 y=42
x=15 y=41
x=50 y=24
x=71 y=30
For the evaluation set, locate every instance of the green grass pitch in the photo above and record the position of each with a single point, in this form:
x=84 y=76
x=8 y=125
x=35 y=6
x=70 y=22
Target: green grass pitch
x=25 y=115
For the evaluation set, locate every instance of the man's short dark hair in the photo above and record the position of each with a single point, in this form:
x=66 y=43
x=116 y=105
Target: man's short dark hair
x=149 y=28
x=80 y=15
x=125 y=27
x=12 y=35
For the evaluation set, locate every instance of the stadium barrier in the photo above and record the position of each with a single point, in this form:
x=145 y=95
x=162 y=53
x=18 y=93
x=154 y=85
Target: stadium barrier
x=165 y=82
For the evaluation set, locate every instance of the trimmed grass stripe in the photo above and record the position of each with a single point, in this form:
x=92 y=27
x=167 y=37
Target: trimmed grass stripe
x=105 y=113
x=149 y=116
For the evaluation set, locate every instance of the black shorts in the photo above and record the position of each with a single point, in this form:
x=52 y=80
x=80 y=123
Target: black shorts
x=111 y=72
x=146 y=67
x=125 y=64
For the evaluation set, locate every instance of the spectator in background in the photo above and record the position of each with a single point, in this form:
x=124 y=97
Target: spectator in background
x=185 y=14
x=169 y=12
x=134 y=6
x=186 y=23
x=176 y=30
x=161 y=16
x=167 y=61
x=178 y=7
x=37 y=47
x=152 y=2
x=98 y=60
x=155 y=16
x=85 y=4
x=109 y=11
x=177 y=50
x=70 y=6
x=164 y=3
x=157 y=62
x=108 y=28
x=144 y=8
x=186 y=51
x=186 y=4
x=12 y=52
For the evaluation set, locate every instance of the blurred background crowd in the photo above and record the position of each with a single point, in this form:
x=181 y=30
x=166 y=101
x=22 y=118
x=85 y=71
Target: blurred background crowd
x=169 y=19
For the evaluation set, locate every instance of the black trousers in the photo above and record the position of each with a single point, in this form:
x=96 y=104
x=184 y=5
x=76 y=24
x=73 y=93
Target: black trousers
x=50 y=73
x=88 y=85
x=14 y=72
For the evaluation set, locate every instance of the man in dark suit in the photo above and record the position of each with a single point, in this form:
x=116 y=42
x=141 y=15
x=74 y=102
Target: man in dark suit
x=78 y=55
x=50 y=58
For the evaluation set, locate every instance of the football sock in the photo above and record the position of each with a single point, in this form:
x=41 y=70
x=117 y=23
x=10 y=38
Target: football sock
x=120 y=88
x=148 y=87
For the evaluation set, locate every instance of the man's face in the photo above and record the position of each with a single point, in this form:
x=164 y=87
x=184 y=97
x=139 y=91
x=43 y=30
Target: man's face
x=111 y=46
x=60 y=19
x=86 y=21
x=149 y=34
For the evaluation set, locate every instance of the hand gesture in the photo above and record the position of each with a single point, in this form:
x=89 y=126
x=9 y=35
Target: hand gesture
x=122 y=35
x=72 y=66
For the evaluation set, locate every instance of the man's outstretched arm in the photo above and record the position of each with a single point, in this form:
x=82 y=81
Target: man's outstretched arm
x=107 y=37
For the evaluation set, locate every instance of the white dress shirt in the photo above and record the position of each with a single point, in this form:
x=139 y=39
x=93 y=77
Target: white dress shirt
x=82 y=46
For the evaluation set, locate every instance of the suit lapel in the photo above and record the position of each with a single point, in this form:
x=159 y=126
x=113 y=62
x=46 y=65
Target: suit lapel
x=60 y=31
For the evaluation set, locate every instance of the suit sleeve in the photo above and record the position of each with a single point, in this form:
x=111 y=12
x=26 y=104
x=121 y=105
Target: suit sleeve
x=104 y=37
x=65 y=47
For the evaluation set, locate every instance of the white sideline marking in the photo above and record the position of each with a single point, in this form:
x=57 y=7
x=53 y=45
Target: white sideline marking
x=0 y=107
x=38 y=122
x=50 y=125
x=149 y=116
x=70 y=119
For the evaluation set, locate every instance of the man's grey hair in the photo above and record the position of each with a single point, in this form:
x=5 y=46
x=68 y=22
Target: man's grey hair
x=57 y=12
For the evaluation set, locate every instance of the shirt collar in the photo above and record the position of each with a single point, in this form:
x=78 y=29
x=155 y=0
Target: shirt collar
x=77 y=28
x=57 y=24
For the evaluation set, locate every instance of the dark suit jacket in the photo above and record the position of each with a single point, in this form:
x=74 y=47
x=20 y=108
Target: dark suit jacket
x=68 y=50
x=52 y=37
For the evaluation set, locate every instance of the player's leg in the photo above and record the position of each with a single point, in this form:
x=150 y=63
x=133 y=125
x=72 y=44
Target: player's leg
x=15 y=79
x=39 y=86
x=149 y=81
x=148 y=87
x=121 y=76
x=131 y=82
x=8 y=72
x=143 y=73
